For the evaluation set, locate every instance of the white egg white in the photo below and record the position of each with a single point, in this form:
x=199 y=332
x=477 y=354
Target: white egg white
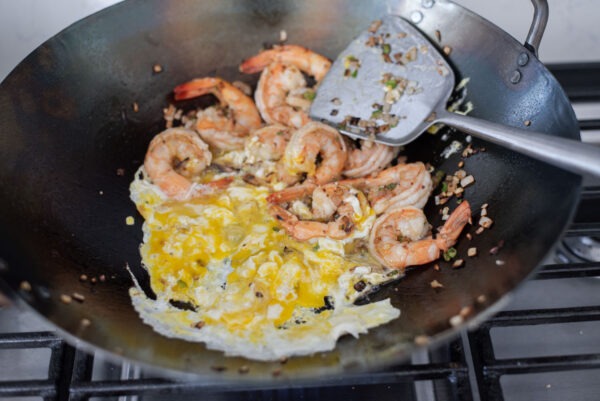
x=255 y=292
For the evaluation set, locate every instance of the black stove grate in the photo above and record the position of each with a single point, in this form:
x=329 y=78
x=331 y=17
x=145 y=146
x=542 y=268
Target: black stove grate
x=70 y=370
x=70 y=378
x=465 y=369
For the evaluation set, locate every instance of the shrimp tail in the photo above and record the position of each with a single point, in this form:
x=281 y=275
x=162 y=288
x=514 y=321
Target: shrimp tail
x=291 y=193
x=286 y=219
x=457 y=221
x=221 y=183
x=303 y=58
x=256 y=63
x=196 y=87
x=207 y=189
x=260 y=61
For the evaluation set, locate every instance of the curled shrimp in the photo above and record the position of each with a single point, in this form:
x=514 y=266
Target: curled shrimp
x=226 y=126
x=399 y=238
x=402 y=185
x=282 y=95
x=174 y=157
x=335 y=210
x=367 y=157
x=268 y=143
x=324 y=200
x=317 y=150
x=264 y=150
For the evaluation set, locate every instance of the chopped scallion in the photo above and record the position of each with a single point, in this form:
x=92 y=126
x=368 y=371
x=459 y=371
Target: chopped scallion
x=309 y=95
x=376 y=114
x=450 y=254
x=392 y=83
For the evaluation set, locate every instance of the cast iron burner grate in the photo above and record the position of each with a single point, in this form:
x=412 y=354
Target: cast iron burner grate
x=471 y=367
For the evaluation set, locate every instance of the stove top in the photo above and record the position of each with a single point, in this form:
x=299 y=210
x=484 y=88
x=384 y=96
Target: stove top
x=542 y=346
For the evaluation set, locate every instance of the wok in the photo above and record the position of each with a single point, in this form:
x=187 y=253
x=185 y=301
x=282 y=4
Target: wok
x=67 y=126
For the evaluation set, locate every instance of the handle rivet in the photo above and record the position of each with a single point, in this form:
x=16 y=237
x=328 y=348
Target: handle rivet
x=427 y=3
x=416 y=17
x=523 y=59
x=515 y=77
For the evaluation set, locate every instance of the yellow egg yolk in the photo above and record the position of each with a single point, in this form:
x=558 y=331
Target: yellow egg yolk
x=229 y=259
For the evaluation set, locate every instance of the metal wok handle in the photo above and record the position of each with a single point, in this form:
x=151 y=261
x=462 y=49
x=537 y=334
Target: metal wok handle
x=570 y=155
x=538 y=25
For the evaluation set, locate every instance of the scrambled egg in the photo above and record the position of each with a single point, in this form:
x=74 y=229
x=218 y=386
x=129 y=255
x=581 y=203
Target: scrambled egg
x=226 y=274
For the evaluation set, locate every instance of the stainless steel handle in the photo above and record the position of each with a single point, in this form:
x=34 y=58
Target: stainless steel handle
x=570 y=155
x=538 y=25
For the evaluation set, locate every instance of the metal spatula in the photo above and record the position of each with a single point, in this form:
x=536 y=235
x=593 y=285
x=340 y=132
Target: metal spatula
x=391 y=84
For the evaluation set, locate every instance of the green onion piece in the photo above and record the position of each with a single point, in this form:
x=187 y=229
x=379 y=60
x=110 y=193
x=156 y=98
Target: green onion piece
x=181 y=284
x=354 y=73
x=444 y=186
x=392 y=83
x=391 y=186
x=438 y=177
x=276 y=229
x=309 y=95
x=316 y=247
x=386 y=48
x=376 y=114
x=450 y=254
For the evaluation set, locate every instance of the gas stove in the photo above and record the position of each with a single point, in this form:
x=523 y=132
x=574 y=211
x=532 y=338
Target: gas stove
x=542 y=346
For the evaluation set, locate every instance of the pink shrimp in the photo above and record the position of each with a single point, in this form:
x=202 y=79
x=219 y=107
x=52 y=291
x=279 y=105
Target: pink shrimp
x=399 y=238
x=226 y=126
x=333 y=212
x=402 y=185
x=174 y=157
x=282 y=95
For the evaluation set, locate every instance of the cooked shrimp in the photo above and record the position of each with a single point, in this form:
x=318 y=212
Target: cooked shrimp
x=324 y=200
x=282 y=94
x=226 y=126
x=335 y=211
x=367 y=157
x=401 y=185
x=317 y=150
x=264 y=150
x=174 y=157
x=399 y=238
x=268 y=143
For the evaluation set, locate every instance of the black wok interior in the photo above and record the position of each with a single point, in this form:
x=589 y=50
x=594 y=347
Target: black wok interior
x=67 y=125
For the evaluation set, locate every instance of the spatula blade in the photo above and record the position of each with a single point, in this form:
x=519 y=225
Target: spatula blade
x=385 y=85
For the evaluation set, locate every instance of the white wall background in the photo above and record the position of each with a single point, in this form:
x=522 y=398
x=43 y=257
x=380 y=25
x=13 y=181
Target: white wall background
x=573 y=32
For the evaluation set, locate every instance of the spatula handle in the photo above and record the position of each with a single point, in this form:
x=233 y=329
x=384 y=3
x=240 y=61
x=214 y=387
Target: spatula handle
x=568 y=154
